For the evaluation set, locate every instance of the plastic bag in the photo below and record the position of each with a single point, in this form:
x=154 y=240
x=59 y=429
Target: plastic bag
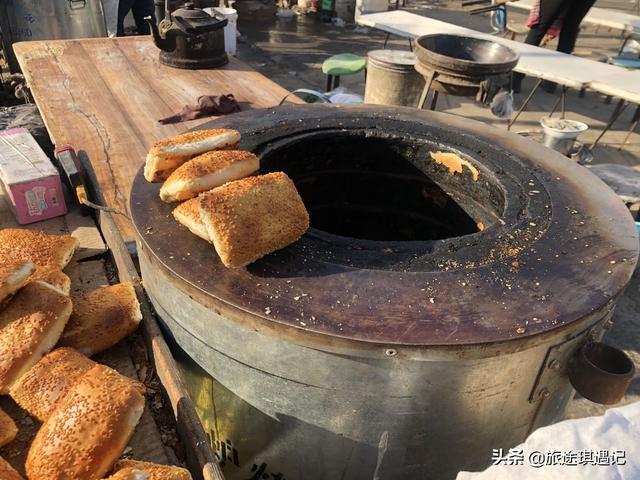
x=344 y=96
x=502 y=104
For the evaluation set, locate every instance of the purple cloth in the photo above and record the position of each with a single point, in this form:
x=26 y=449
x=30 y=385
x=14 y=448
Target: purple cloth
x=208 y=105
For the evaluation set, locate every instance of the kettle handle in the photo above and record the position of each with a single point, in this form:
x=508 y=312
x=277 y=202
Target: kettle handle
x=187 y=28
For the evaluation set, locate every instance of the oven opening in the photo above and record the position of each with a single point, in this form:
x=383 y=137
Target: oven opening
x=382 y=188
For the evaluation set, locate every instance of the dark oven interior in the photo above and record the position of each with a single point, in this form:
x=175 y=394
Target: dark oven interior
x=383 y=187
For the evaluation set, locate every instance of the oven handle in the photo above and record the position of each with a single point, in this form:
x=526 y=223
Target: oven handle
x=601 y=373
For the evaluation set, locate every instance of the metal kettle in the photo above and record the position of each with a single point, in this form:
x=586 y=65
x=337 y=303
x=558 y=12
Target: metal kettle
x=190 y=38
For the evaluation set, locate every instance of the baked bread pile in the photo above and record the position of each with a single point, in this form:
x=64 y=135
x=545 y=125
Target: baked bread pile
x=244 y=217
x=88 y=410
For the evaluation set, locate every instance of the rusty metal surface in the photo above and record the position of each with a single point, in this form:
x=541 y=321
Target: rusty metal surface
x=564 y=247
x=601 y=373
x=460 y=64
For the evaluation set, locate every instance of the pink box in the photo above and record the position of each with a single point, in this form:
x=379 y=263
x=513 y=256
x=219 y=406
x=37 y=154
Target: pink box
x=30 y=181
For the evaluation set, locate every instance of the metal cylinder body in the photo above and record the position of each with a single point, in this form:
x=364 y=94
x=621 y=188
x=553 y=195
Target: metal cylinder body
x=428 y=315
x=26 y=20
x=312 y=410
x=392 y=79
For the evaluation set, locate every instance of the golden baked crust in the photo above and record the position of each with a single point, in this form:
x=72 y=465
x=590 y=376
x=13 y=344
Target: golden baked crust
x=7 y=472
x=249 y=218
x=211 y=162
x=55 y=277
x=153 y=470
x=30 y=326
x=208 y=171
x=129 y=474
x=167 y=155
x=14 y=276
x=101 y=318
x=188 y=214
x=39 y=247
x=88 y=429
x=49 y=380
x=8 y=430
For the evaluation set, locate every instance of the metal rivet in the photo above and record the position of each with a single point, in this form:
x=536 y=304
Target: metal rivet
x=390 y=352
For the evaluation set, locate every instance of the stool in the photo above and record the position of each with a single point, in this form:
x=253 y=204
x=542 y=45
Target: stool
x=343 y=64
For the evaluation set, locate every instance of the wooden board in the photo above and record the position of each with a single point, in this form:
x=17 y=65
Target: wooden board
x=105 y=96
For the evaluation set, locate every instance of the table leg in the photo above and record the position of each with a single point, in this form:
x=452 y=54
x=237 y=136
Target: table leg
x=625 y=39
x=559 y=100
x=386 y=39
x=329 y=83
x=614 y=116
x=434 y=100
x=425 y=91
x=634 y=124
x=526 y=102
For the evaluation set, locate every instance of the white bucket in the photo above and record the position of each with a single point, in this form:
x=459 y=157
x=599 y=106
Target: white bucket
x=560 y=134
x=231 y=14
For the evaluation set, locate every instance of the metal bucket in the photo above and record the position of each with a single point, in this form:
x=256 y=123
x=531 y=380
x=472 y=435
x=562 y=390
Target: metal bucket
x=24 y=20
x=392 y=79
x=561 y=134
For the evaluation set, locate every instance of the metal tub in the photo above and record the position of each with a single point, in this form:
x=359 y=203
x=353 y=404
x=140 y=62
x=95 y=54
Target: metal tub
x=24 y=20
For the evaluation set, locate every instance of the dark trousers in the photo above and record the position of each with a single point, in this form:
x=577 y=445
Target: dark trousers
x=140 y=9
x=550 y=10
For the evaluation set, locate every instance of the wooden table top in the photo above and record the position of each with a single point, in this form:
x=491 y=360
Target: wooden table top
x=105 y=96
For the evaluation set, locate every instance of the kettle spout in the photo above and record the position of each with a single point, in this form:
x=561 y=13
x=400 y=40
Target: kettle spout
x=162 y=43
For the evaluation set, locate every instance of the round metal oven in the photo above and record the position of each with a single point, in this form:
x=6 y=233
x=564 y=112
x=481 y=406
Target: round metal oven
x=430 y=314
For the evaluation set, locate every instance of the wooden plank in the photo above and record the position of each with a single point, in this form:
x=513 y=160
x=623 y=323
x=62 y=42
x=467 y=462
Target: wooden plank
x=83 y=227
x=105 y=96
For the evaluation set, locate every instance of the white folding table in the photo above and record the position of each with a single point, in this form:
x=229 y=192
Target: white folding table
x=599 y=17
x=569 y=71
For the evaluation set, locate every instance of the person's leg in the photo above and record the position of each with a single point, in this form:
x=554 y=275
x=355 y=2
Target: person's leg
x=141 y=9
x=571 y=24
x=123 y=8
x=550 y=10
